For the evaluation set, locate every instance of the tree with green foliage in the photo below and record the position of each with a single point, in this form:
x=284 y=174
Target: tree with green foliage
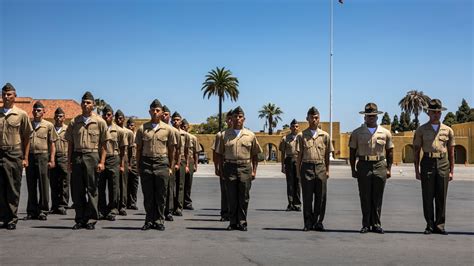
x=463 y=114
x=210 y=127
x=449 y=119
x=405 y=122
x=386 y=119
x=395 y=124
x=413 y=103
x=220 y=82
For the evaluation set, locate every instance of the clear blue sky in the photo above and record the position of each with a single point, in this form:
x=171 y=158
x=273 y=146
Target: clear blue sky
x=130 y=52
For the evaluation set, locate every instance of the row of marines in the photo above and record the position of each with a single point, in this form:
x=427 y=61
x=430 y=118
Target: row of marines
x=100 y=155
x=165 y=154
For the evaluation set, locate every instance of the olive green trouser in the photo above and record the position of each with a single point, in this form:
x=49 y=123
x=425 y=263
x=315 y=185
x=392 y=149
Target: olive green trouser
x=371 y=178
x=188 y=184
x=434 y=186
x=10 y=185
x=154 y=175
x=84 y=192
x=224 y=201
x=60 y=183
x=132 y=183
x=293 y=188
x=37 y=180
x=123 y=186
x=109 y=179
x=238 y=179
x=314 y=187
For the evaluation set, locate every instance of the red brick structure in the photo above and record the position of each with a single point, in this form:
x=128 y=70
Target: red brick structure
x=70 y=107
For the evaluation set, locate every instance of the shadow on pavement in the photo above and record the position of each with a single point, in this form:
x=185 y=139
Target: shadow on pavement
x=282 y=229
x=208 y=228
x=270 y=210
x=122 y=228
x=216 y=215
x=202 y=220
x=53 y=227
x=210 y=209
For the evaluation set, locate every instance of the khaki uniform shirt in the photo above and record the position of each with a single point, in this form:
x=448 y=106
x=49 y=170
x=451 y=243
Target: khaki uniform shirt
x=117 y=141
x=14 y=127
x=288 y=145
x=61 y=144
x=184 y=143
x=216 y=141
x=432 y=141
x=90 y=136
x=194 y=147
x=155 y=141
x=314 y=149
x=42 y=136
x=242 y=147
x=368 y=144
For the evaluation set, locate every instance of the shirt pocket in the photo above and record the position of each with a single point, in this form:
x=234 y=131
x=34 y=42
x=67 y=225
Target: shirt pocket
x=93 y=136
x=246 y=148
x=308 y=144
x=13 y=124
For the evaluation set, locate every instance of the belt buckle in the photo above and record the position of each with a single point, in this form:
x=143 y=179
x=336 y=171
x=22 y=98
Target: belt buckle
x=372 y=158
x=435 y=155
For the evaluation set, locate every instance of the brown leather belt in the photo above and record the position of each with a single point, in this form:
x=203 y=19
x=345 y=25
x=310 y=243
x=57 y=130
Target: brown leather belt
x=371 y=158
x=434 y=155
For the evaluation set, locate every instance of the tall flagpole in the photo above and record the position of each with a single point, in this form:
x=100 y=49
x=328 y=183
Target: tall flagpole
x=330 y=66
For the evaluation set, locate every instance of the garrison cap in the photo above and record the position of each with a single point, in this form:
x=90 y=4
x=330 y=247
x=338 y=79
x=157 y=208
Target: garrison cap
x=293 y=122
x=107 y=109
x=37 y=105
x=130 y=121
x=166 y=109
x=119 y=113
x=58 y=111
x=313 y=111
x=8 y=87
x=155 y=104
x=88 y=96
x=435 y=105
x=185 y=122
x=176 y=114
x=371 y=109
x=238 y=110
x=229 y=113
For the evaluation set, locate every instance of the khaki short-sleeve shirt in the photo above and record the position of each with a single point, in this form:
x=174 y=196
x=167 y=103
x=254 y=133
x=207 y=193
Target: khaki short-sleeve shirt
x=155 y=141
x=194 y=147
x=90 y=136
x=314 y=148
x=216 y=141
x=288 y=145
x=61 y=144
x=431 y=141
x=242 y=147
x=184 y=142
x=368 y=144
x=42 y=136
x=118 y=139
x=14 y=127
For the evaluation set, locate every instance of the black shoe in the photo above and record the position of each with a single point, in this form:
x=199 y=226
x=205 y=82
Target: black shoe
x=160 y=227
x=377 y=229
x=319 y=227
x=297 y=208
x=132 y=207
x=224 y=219
x=440 y=231
x=42 y=217
x=232 y=227
x=178 y=213
x=364 y=230
x=169 y=217
x=305 y=229
x=189 y=207
x=122 y=212
x=90 y=226
x=11 y=226
x=428 y=231
x=30 y=217
x=110 y=217
x=62 y=211
x=77 y=226
x=101 y=216
x=289 y=208
x=242 y=227
x=147 y=226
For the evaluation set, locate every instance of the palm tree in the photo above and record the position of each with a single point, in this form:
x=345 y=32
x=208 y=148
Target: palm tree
x=413 y=103
x=220 y=82
x=271 y=113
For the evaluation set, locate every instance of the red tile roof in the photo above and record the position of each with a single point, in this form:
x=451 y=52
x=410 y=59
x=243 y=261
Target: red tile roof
x=70 y=107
